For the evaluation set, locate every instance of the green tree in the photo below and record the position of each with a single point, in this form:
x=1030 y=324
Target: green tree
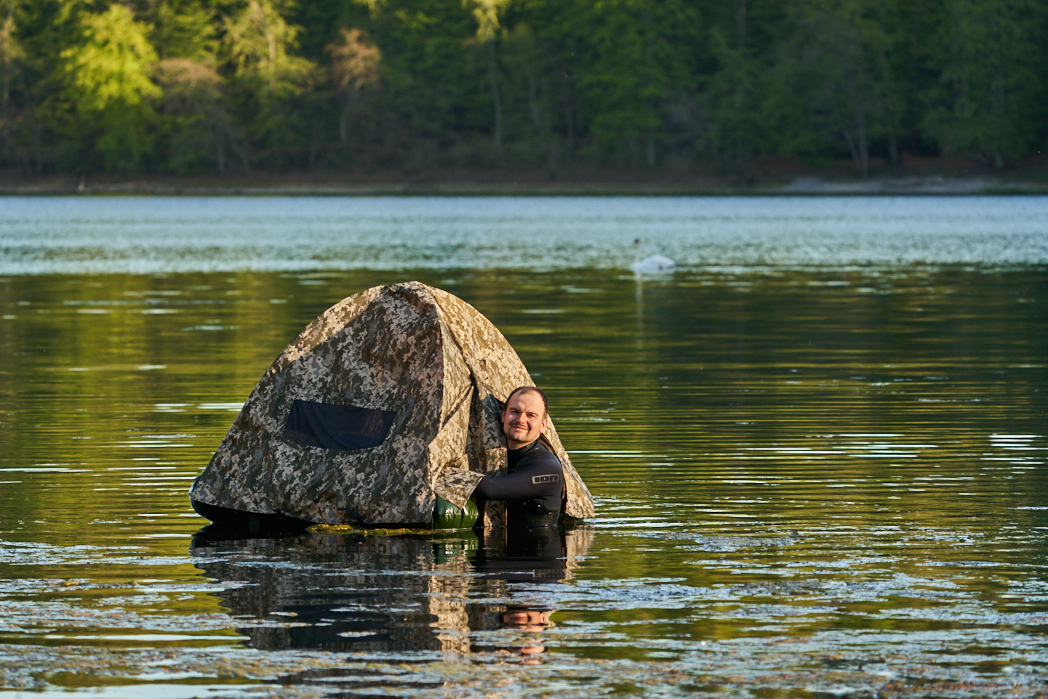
x=12 y=57
x=477 y=82
x=985 y=100
x=260 y=44
x=185 y=29
x=734 y=91
x=831 y=80
x=108 y=86
x=530 y=69
x=638 y=58
x=486 y=13
x=201 y=133
x=733 y=88
x=354 y=67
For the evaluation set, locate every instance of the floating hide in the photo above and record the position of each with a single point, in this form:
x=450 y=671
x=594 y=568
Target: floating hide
x=388 y=400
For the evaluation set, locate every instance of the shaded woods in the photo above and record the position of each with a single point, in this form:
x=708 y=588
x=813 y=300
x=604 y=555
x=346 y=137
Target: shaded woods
x=245 y=86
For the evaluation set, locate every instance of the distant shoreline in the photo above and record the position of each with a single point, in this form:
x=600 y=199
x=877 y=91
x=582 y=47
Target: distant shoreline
x=506 y=184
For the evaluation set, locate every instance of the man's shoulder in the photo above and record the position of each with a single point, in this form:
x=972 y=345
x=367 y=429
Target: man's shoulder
x=535 y=456
x=545 y=455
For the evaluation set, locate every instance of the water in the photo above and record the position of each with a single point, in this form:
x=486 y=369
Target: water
x=144 y=235
x=817 y=450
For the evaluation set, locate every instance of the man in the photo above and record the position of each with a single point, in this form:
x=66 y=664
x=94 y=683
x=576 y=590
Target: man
x=534 y=487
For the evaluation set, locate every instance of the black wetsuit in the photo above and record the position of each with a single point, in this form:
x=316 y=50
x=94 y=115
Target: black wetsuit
x=533 y=488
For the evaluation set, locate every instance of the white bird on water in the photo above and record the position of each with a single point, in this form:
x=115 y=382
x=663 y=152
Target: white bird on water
x=651 y=264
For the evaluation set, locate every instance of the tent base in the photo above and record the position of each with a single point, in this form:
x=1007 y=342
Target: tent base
x=445 y=516
x=252 y=521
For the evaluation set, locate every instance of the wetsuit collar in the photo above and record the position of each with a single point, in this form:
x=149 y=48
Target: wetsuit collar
x=513 y=456
x=526 y=449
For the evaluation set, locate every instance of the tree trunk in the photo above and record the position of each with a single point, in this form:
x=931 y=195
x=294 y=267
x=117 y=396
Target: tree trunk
x=998 y=118
x=566 y=98
x=569 y=122
x=649 y=28
x=848 y=137
x=886 y=93
x=235 y=147
x=18 y=152
x=862 y=143
x=5 y=102
x=858 y=143
x=343 y=134
x=740 y=23
x=214 y=117
x=38 y=157
x=8 y=29
x=220 y=150
x=541 y=122
x=495 y=99
x=272 y=62
x=313 y=146
x=278 y=154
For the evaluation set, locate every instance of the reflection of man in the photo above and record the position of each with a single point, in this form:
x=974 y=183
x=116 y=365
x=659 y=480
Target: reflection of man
x=534 y=487
x=529 y=620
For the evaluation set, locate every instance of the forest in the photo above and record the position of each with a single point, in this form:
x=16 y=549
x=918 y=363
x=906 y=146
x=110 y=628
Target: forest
x=236 y=87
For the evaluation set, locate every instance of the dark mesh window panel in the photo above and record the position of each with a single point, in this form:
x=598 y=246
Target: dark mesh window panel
x=337 y=427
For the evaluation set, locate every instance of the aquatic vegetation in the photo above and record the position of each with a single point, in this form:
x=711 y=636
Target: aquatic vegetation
x=375 y=531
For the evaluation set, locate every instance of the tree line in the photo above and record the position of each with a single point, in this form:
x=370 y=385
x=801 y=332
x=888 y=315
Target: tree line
x=220 y=86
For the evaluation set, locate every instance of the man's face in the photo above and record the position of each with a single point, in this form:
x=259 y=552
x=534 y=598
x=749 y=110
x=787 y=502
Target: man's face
x=523 y=419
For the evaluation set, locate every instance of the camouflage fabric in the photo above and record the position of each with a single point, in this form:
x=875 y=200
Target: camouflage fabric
x=428 y=357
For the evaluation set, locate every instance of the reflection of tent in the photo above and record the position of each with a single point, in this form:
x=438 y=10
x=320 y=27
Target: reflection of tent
x=386 y=401
x=356 y=594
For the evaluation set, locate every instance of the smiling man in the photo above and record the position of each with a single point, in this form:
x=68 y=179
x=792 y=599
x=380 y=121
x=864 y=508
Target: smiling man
x=534 y=487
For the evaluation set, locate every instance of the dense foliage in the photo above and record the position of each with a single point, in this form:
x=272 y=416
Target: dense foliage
x=190 y=86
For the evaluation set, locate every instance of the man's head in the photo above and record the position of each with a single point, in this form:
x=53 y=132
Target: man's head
x=525 y=416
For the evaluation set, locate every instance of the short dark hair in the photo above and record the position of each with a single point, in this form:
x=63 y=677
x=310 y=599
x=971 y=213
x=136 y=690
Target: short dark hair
x=531 y=389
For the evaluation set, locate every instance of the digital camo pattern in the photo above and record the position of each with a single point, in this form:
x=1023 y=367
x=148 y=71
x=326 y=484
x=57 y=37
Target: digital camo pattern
x=497 y=370
x=420 y=352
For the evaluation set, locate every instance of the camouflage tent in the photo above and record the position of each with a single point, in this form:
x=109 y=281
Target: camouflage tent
x=387 y=400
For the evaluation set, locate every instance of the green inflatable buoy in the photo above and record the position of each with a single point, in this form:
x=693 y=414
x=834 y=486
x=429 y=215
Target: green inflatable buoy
x=447 y=516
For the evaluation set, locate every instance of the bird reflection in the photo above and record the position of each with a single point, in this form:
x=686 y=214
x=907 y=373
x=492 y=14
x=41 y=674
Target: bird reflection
x=456 y=592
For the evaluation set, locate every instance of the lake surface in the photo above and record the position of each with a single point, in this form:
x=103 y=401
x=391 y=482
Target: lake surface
x=817 y=450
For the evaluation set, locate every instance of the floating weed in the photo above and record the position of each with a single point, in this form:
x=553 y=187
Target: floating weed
x=325 y=529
